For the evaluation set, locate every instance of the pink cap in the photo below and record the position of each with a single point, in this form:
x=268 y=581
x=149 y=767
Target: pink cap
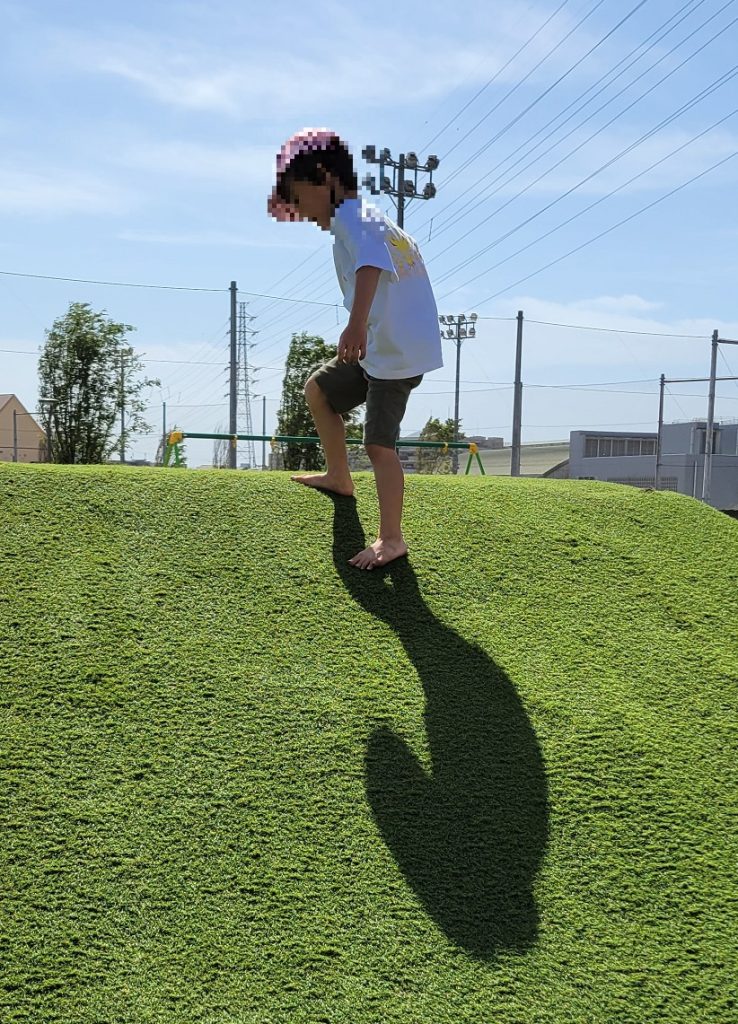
x=301 y=142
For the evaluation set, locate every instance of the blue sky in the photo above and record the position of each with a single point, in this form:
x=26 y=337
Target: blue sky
x=138 y=145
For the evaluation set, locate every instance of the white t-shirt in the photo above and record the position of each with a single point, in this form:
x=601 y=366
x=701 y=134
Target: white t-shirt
x=403 y=334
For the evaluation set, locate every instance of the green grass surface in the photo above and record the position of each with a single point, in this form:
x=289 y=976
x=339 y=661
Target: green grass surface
x=245 y=782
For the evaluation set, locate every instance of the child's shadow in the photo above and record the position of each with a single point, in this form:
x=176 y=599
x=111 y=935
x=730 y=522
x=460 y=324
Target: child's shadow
x=469 y=837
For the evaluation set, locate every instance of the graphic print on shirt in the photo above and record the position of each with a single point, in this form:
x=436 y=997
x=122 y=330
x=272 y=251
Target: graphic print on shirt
x=405 y=253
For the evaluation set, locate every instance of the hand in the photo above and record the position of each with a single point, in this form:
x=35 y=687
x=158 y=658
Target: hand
x=352 y=344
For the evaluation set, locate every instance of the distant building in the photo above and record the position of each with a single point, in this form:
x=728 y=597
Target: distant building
x=486 y=442
x=630 y=458
x=29 y=438
x=408 y=455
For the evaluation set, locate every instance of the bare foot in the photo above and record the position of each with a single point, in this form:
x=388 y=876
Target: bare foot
x=379 y=553
x=325 y=482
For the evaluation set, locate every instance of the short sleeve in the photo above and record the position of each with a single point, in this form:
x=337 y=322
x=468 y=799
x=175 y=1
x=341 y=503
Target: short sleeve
x=368 y=244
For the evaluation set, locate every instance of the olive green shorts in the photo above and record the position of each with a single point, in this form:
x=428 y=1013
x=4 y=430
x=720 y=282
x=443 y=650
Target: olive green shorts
x=347 y=385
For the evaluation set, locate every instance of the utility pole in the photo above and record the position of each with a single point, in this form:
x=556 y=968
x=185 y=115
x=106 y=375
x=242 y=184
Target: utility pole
x=710 y=420
x=401 y=191
x=686 y=380
x=164 y=430
x=233 y=423
x=400 y=187
x=517 y=401
x=15 y=436
x=457 y=331
x=659 y=434
x=706 y=480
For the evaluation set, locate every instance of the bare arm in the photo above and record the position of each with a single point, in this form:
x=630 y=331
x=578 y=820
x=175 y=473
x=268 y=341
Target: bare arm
x=352 y=345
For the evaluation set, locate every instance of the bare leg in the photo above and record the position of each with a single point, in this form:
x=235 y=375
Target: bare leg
x=390 y=481
x=332 y=433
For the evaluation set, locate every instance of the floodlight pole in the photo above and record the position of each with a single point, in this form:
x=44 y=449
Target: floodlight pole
x=456 y=402
x=401 y=191
x=456 y=332
x=398 y=189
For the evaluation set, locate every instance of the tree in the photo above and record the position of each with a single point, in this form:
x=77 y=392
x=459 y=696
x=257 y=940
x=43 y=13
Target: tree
x=86 y=375
x=433 y=460
x=220 y=449
x=307 y=352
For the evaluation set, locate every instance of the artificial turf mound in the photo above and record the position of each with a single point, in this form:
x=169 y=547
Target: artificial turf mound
x=245 y=782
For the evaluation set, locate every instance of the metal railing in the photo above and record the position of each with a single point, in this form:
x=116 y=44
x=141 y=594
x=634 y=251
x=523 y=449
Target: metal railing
x=172 y=454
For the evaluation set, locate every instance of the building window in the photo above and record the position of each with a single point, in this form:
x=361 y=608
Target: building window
x=608 y=447
x=702 y=438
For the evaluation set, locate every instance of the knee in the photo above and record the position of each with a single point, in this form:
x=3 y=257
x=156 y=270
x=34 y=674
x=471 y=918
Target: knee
x=379 y=453
x=312 y=390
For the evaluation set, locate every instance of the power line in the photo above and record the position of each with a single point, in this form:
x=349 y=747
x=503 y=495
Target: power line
x=730 y=371
x=542 y=95
x=291 y=272
x=165 y=287
x=308 y=279
x=580 y=213
x=607 y=231
x=474 y=200
x=499 y=319
x=614 y=330
x=495 y=76
x=566 y=387
x=726 y=77
x=112 y=284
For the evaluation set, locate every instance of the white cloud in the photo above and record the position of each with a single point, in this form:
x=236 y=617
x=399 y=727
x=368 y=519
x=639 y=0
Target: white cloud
x=330 y=58
x=643 y=354
x=240 y=165
x=619 y=304
x=492 y=188
x=683 y=165
x=60 y=193
x=215 y=238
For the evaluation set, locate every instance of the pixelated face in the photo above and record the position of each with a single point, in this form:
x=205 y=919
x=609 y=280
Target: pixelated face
x=312 y=201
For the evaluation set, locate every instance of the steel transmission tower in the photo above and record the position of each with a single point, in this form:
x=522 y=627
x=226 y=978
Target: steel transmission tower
x=244 y=377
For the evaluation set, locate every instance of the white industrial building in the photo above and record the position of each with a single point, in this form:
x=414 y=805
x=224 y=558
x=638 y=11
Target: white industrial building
x=630 y=458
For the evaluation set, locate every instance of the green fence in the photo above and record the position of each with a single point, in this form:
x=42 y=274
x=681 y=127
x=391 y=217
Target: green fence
x=172 y=456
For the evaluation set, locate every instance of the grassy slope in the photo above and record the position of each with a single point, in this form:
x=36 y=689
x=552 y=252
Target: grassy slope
x=246 y=783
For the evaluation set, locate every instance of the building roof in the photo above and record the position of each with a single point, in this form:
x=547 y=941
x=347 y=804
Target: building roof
x=4 y=399
x=535 y=459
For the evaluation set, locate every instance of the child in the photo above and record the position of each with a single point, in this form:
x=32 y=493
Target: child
x=392 y=337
